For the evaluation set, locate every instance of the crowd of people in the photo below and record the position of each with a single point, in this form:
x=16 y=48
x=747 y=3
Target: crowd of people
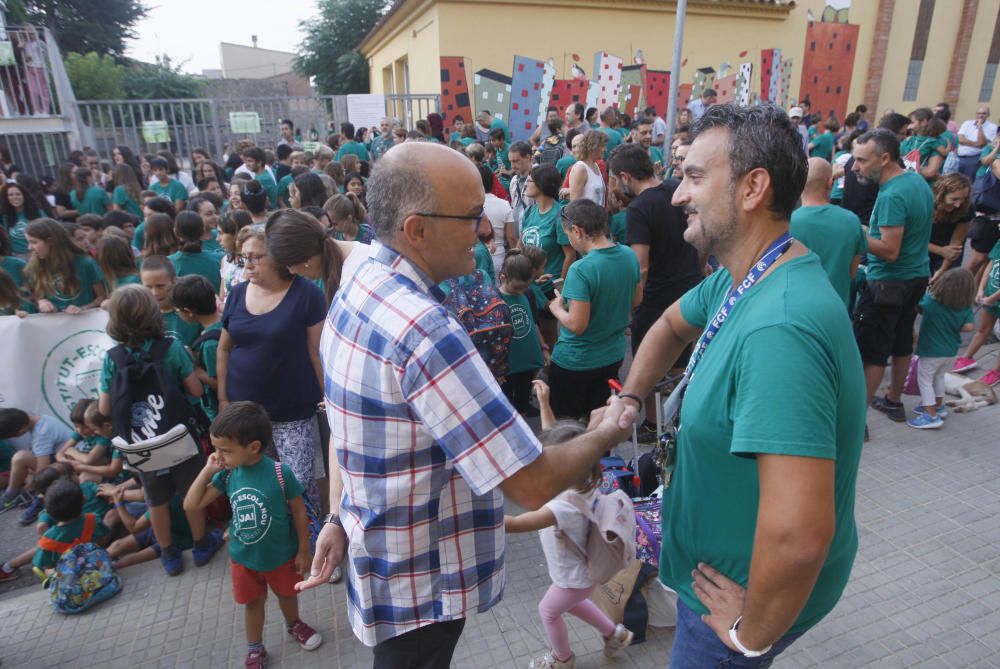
x=296 y=299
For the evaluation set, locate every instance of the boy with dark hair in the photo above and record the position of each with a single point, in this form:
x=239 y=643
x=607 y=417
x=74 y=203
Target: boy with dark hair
x=47 y=436
x=64 y=503
x=256 y=161
x=351 y=146
x=165 y=186
x=194 y=300
x=269 y=537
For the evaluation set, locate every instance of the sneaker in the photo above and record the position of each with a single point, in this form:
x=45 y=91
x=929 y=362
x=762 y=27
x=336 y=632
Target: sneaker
x=894 y=410
x=337 y=576
x=991 y=378
x=306 y=636
x=15 y=501
x=964 y=365
x=621 y=638
x=646 y=433
x=549 y=661
x=256 y=659
x=925 y=422
x=172 y=562
x=942 y=411
x=30 y=515
x=213 y=542
x=6 y=575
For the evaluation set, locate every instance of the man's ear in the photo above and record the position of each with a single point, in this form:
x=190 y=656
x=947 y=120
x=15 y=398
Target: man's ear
x=415 y=231
x=754 y=189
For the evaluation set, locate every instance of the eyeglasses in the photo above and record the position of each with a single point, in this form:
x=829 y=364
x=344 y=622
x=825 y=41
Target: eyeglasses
x=471 y=217
x=243 y=261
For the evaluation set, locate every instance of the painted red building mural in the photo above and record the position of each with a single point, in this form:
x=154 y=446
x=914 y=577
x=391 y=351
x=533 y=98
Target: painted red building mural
x=826 y=67
x=658 y=90
x=455 y=100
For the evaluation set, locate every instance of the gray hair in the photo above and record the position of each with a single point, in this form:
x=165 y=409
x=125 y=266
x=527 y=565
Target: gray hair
x=396 y=189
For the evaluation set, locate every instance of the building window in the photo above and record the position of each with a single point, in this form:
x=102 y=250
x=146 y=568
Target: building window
x=989 y=78
x=912 y=80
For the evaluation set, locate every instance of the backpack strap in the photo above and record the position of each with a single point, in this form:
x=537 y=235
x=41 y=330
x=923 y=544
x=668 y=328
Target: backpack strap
x=281 y=478
x=160 y=347
x=119 y=355
x=51 y=545
x=89 y=525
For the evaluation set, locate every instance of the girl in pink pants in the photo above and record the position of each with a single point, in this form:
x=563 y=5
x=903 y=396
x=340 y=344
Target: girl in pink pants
x=559 y=522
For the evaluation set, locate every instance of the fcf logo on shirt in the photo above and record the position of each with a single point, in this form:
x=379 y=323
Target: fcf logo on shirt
x=251 y=518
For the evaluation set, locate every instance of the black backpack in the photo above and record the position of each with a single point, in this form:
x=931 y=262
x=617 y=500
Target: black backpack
x=550 y=153
x=207 y=335
x=145 y=401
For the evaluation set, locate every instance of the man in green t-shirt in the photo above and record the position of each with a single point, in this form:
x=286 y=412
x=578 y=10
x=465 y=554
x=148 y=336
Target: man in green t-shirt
x=833 y=233
x=642 y=132
x=256 y=162
x=758 y=516
x=351 y=146
x=898 y=268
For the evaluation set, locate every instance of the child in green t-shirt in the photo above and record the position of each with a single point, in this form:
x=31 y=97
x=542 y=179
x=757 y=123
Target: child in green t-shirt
x=39 y=486
x=159 y=276
x=194 y=298
x=268 y=535
x=191 y=258
x=140 y=545
x=85 y=446
x=526 y=356
x=64 y=504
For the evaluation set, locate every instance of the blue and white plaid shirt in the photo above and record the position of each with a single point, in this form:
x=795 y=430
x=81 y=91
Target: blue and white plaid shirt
x=424 y=436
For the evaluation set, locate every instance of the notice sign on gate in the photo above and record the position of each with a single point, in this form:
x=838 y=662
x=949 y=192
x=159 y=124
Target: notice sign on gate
x=155 y=131
x=244 y=122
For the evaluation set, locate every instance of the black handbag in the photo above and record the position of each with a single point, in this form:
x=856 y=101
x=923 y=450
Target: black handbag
x=986 y=192
x=887 y=293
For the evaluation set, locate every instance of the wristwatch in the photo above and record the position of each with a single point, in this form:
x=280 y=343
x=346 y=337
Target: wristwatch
x=739 y=646
x=334 y=519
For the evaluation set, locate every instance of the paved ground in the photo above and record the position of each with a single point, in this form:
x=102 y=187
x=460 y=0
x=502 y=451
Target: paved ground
x=925 y=590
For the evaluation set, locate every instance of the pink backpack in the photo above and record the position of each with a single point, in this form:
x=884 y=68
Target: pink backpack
x=610 y=545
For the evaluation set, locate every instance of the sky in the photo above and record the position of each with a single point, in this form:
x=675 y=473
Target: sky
x=190 y=30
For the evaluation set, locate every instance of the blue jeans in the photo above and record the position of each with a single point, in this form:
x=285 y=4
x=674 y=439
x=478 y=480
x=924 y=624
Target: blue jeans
x=697 y=646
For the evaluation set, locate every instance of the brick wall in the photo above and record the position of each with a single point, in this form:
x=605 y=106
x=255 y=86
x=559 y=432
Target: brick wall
x=970 y=8
x=876 y=63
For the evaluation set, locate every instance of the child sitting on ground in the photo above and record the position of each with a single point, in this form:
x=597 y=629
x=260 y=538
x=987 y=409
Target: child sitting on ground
x=39 y=485
x=64 y=504
x=85 y=446
x=111 y=470
x=48 y=434
x=946 y=313
x=571 y=586
x=268 y=536
x=140 y=545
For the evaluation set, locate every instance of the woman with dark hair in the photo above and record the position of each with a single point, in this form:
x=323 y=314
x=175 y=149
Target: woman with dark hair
x=33 y=188
x=150 y=206
x=348 y=219
x=86 y=197
x=354 y=183
x=299 y=242
x=17 y=209
x=175 y=172
x=190 y=257
x=307 y=190
x=159 y=238
x=127 y=193
x=254 y=199
x=64 y=186
x=206 y=169
x=198 y=156
x=122 y=155
x=269 y=353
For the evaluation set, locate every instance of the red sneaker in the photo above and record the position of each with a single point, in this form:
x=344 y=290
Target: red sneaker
x=7 y=575
x=991 y=378
x=256 y=659
x=964 y=365
x=306 y=636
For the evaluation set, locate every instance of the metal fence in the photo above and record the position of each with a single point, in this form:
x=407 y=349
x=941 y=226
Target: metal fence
x=38 y=154
x=180 y=126
x=26 y=83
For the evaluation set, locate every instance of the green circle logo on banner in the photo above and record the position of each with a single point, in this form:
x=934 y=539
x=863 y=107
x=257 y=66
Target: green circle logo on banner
x=72 y=371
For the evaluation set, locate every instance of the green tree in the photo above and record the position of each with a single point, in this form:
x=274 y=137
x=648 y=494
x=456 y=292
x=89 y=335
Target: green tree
x=83 y=26
x=158 y=81
x=95 y=77
x=329 y=51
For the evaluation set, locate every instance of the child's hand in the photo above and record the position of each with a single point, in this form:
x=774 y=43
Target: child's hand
x=214 y=464
x=72 y=309
x=303 y=562
x=46 y=307
x=119 y=494
x=543 y=278
x=541 y=390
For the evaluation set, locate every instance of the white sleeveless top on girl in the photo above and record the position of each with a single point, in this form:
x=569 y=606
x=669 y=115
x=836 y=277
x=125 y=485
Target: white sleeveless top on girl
x=594 y=189
x=566 y=568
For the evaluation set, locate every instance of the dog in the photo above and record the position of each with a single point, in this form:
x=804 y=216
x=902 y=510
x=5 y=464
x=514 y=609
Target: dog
x=973 y=394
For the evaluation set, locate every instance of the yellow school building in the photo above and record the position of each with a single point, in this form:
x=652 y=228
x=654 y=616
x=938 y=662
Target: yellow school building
x=515 y=57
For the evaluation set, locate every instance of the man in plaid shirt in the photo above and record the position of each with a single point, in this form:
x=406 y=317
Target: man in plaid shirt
x=424 y=438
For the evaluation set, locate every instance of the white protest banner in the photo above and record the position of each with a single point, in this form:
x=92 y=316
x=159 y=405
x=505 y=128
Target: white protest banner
x=50 y=361
x=365 y=111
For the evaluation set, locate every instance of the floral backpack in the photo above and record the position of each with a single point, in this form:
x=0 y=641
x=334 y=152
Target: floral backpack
x=480 y=308
x=83 y=577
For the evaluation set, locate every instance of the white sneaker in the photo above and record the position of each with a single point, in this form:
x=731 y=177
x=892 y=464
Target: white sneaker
x=621 y=638
x=549 y=661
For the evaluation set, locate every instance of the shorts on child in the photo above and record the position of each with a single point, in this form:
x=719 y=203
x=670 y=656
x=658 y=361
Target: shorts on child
x=249 y=585
x=160 y=489
x=146 y=539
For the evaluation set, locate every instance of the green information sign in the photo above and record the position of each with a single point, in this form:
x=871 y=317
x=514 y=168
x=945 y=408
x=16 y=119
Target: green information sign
x=310 y=146
x=155 y=132
x=244 y=122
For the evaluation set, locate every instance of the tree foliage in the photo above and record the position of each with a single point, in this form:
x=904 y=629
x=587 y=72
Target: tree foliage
x=95 y=77
x=329 y=50
x=82 y=26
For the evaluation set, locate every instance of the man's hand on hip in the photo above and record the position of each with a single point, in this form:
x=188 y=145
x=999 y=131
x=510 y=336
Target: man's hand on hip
x=331 y=547
x=722 y=597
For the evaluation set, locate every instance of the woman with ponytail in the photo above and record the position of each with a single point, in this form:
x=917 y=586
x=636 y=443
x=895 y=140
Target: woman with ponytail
x=191 y=259
x=347 y=217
